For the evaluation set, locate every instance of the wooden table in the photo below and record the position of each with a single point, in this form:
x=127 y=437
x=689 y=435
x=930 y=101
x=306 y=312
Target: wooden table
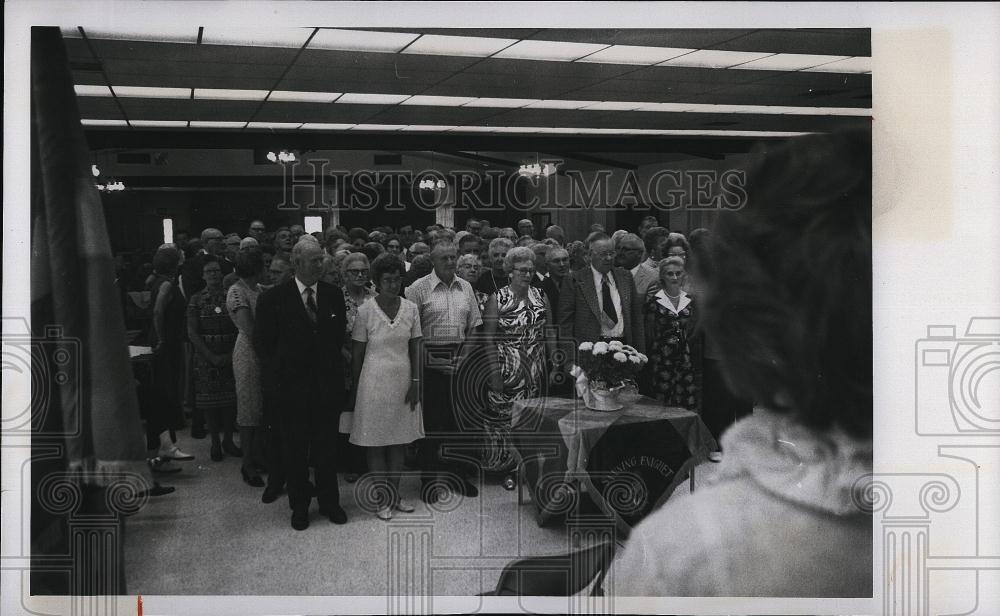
x=628 y=461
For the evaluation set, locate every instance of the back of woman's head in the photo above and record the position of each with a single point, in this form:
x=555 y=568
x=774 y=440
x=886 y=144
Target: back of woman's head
x=789 y=287
x=166 y=260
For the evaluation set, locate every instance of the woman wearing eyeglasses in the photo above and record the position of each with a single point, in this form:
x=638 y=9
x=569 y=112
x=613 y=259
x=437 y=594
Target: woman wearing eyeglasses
x=670 y=322
x=515 y=322
x=355 y=272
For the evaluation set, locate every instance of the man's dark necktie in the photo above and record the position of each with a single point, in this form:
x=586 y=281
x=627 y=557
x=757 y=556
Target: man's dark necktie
x=311 y=305
x=609 y=304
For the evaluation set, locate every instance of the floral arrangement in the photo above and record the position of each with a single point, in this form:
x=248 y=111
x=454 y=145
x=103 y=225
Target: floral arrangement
x=611 y=364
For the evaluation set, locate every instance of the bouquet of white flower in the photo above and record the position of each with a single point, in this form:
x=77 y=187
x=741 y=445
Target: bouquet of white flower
x=606 y=366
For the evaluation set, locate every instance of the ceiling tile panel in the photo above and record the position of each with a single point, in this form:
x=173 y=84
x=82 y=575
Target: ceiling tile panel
x=310 y=112
x=856 y=42
x=449 y=116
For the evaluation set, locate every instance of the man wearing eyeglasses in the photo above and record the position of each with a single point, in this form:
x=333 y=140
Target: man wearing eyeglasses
x=257 y=231
x=600 y=302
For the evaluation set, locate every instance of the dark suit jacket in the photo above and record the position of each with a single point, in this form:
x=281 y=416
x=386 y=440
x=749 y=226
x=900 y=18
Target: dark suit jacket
x=580 y=313
x=300 y=363
x=551 y=290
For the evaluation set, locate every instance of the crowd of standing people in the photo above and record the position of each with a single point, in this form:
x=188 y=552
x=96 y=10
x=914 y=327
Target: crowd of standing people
x=364 y=352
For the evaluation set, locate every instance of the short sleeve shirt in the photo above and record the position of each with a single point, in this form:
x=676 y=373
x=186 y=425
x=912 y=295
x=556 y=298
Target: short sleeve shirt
x=447 y=311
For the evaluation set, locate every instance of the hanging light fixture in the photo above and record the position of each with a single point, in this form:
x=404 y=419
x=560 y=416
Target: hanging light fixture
x=432 y=184
x=536 y=170
x=282 y=157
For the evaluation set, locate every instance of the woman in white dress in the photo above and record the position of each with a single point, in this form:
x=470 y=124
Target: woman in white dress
x=386 y=398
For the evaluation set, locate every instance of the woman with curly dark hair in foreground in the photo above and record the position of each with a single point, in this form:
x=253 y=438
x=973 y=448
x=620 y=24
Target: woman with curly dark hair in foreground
x=788 y=302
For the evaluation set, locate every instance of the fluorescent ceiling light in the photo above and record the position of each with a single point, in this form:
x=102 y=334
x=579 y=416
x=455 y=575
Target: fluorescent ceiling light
x=378 y=126
x=557 y=130
x=715 y=58
x=162 y=32
x=159 y=123
x=438 y=101
x=372 y=99
x=634 y=54
x=104 y=122
x=361 y=40
x=324 y=126
x=152 y=92
x=229 y=95
x=213 y=124
x=428 y=127
x=501 y=102
x=82 y=90
x=474 y=46
x=789 y=62
x=726 y=133
x=858 y=64
x=516 y=129
x=477 y=129
x=611 y=106
x=670 y=107
x=274 y=125
x=256 y=37
x=303 y=97
x=557 y=104
x=549 y=50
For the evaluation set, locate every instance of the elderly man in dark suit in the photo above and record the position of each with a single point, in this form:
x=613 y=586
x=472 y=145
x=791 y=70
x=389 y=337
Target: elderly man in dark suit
x=299 y=331
x=600 y=302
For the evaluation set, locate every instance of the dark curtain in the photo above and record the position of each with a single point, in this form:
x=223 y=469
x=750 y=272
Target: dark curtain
x=87 y=469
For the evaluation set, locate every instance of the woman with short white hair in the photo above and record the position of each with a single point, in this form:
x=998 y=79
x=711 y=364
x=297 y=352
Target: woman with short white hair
x=515 y=321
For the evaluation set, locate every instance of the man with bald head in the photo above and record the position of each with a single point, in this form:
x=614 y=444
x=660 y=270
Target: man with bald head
x=298 y=333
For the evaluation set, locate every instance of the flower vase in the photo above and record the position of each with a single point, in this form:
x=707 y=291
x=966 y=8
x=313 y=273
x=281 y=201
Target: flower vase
x=599 y=397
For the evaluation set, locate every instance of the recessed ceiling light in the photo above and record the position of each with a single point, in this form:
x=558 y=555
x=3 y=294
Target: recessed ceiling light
x=256 y=37
x=162 y=32
x=229 y=95
x=324 y=126
x=152 y=92
x=372 y=99
x=303 y=97
x=438 y=101
x=428 y=127
x=501 y=102
x=788 y=62
x=361 y=40
x=159 y=123
x=549 y=50
x=634 y=54
x=611 y=106
x=857 y=64
x=474 y=46
x=82 y=90
x=104 y=122
x=274 y=125
x=378 y=126
x=558 y=104
x=214 y=124
x=714 y=58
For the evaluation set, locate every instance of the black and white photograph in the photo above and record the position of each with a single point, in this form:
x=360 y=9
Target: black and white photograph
x=403 y=308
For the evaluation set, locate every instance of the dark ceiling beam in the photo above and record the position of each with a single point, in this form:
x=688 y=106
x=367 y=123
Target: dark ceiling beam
x=102 y=139
x=501 y=162
x=604 y=162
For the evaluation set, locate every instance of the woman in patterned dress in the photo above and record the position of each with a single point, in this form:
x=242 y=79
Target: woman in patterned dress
x=213 y=335
x=515 y=320
x=241 y=303
x=670 y=314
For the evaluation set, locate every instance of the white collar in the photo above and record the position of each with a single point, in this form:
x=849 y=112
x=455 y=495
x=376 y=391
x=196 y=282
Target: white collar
x=684 y=300
x=599 y=277
x=436 y=280
x=302 y=287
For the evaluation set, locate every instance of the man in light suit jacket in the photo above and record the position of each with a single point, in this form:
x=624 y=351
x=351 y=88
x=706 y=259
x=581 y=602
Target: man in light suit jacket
x=599 y=302
x=298 y=334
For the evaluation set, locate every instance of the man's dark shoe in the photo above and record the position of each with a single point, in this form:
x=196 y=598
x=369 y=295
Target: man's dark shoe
x=336 y=514
x=300 y=520
x=270 y=495
x=465 y=488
